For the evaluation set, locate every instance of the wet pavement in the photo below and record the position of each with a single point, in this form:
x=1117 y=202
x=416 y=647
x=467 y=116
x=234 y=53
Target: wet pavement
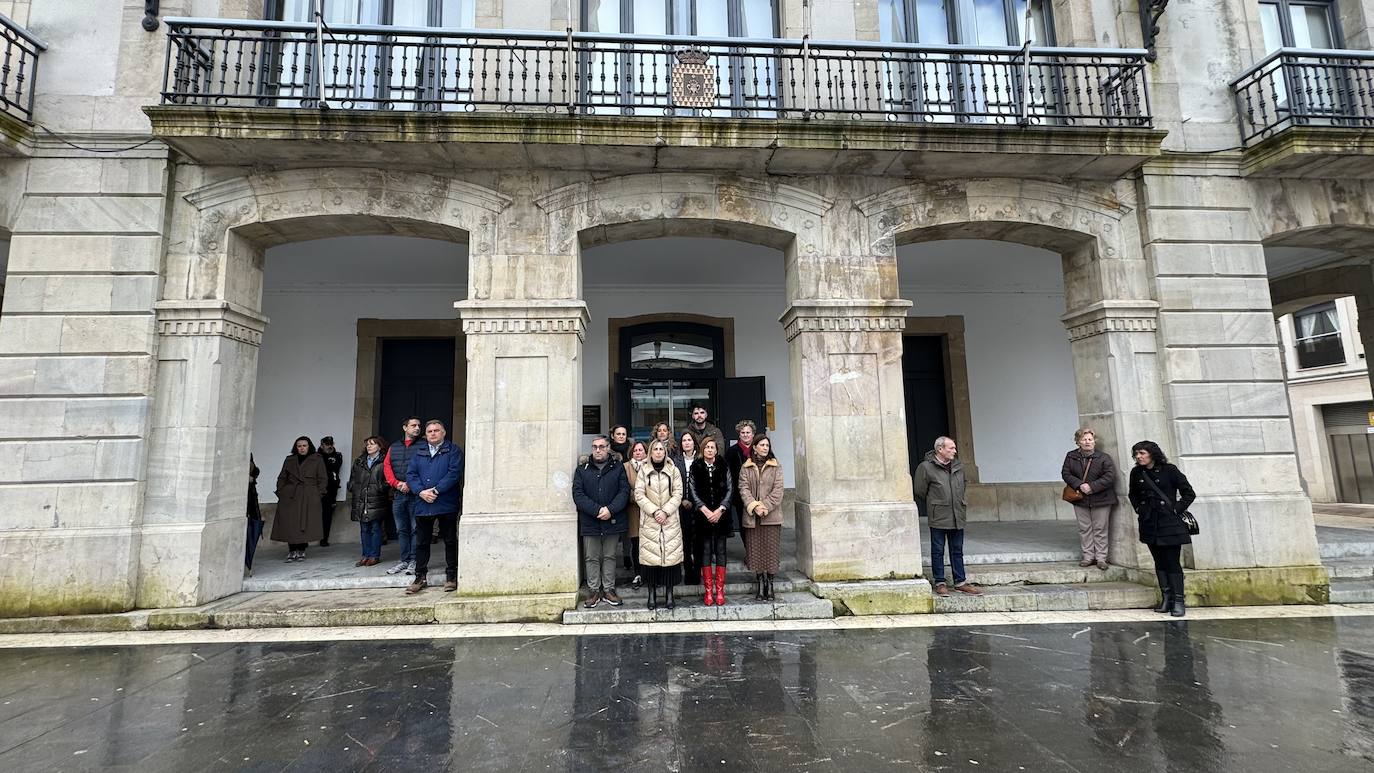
x=1219 y=695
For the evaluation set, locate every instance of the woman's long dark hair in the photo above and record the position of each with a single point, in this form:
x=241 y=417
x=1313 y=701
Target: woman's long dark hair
x=754 y=455
x=308 y=442
x=1152 y=448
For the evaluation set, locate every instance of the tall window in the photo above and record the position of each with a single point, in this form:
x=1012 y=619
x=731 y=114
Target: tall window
x=964 y=22
x=1317 y=330
x=399 y=13
x=1299 y=24
x=707 y=18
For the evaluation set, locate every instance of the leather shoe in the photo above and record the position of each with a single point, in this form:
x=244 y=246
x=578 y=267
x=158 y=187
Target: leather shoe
x=416 y=587
x=968 y=588
x=941 y=589
x=450 y=586
x=593 y=599
x=360 y=562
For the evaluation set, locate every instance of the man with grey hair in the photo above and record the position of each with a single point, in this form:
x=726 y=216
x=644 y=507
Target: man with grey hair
x=939 y=484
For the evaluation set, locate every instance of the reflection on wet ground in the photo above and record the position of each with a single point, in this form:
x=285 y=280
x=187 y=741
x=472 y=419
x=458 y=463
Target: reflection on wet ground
x=1243 y=695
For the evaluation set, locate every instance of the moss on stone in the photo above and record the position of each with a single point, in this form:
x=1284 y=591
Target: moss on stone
x=878 y=597
x=1258 y=586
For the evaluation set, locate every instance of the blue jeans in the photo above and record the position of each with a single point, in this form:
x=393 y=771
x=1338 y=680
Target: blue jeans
x=371 y=532
x=956 y=554
x=403 y=511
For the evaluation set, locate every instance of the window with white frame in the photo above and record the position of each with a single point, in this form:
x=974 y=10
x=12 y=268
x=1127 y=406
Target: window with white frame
x=1317 y=336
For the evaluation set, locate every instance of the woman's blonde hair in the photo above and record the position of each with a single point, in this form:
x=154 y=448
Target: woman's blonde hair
x=1078 y=435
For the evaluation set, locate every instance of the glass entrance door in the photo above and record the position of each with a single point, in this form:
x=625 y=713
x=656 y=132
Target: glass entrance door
x=652 y=401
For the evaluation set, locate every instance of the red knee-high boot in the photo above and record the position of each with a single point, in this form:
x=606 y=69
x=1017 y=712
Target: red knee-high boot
x=708 y=579
x=720 y=586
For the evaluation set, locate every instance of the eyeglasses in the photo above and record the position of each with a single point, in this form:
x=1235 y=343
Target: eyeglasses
x=599 y=446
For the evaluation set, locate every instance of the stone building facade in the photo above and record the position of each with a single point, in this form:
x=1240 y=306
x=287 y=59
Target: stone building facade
x=139 y=202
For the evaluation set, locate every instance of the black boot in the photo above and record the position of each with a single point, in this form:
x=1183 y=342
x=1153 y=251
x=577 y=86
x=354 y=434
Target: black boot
x=758 y=587
x=668 y=597
x=768 y=587
x=1166 y=596
x=653 y=596
x=1176 y=585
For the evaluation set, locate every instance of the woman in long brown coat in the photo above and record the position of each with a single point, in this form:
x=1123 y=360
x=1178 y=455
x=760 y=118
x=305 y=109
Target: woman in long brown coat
x=300 y=490
x=760 y=489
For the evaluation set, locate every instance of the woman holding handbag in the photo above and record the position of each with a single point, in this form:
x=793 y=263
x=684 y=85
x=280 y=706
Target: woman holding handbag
x=1160 y=494
x=1090 y=486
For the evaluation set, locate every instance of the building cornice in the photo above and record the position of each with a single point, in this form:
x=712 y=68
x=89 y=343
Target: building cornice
x=209 y=318
x=844 y=316
x=1123 y=316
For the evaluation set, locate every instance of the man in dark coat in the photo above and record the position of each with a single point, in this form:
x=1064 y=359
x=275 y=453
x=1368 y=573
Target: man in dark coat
x=701 y=429
x=436 y=477
x=333 y=464
x=940 y=490
x=601 y=491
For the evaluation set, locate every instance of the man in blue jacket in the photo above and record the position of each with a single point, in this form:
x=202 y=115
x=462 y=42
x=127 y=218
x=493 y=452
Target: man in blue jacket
x=601 y=491
x=435 y=475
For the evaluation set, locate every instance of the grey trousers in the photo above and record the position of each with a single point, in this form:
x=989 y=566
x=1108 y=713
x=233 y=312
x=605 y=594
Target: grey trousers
x=1092 y=531
x=599 y=556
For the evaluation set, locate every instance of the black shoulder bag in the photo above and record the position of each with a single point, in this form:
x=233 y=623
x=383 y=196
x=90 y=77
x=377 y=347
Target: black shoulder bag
x=1189 y=522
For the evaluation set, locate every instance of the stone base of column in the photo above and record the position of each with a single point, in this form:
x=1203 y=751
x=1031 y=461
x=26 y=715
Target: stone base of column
x=1260 y=586
x=514 y=554
x=67 y=571
x=523 y=608
x=878 y=597
x=859 y=541
x=189 y=564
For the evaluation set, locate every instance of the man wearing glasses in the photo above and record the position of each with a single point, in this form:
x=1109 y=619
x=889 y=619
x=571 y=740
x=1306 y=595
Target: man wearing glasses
x=601 y=491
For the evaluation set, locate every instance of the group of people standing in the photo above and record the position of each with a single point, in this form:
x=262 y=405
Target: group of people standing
x=1158 y=491
x=672 y=503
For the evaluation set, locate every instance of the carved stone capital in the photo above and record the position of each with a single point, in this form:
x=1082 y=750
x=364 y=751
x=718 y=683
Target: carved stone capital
x=548 y=317
x=844 y=316
x=1112 y=317
x=210 y=318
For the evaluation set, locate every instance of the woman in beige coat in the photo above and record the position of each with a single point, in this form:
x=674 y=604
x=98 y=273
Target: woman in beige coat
x=760 y=488
x=658 y=492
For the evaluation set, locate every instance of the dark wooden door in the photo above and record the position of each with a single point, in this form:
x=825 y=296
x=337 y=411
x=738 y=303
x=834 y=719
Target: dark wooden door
x=417 y=380
x=738 y=399
x=927 y=401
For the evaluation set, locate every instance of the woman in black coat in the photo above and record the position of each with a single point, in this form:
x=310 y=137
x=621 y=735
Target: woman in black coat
x=710 y=486
x=369 y=499
x=1161 y=525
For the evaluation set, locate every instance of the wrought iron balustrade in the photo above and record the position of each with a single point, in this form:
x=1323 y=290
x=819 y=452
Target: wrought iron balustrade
x=18 y=68
x=274 y=64
x=1302 y=87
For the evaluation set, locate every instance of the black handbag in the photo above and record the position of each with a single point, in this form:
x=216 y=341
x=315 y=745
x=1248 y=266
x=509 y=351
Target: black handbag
x=1189 y=522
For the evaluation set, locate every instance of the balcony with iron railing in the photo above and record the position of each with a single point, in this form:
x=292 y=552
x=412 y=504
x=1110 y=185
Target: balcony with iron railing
x=257 y=82
x=18 y=73
x=1308 y=113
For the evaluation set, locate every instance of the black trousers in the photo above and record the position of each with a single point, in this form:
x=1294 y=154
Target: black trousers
x=711 y=549
x=327 y=511
x=1166 y=558
x=448 y=532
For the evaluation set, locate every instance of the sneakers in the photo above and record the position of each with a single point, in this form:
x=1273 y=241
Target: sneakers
x=968 y=588
x=941 y=589
x=410 y=567
x=593 y=598
x=611 y=598
x=400 y=566
x=295 y=555
x=417 y=586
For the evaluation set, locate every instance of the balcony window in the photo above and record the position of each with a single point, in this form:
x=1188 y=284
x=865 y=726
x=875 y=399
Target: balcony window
x=1317 y=334
x=399 y=13
x=1299 y=24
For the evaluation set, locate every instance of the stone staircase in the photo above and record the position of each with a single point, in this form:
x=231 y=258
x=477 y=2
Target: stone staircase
x=1348 y=555
x=792 y=590
x=1046 y=585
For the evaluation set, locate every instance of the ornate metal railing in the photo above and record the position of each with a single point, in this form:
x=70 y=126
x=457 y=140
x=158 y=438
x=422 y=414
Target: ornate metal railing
x=1304 y=87
x=18 y=68
x=274 y=64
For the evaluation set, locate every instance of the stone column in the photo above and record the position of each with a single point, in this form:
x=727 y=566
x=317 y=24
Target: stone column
x=1116 y=379
x=1225 y=393
x=517 y=536
x=855 y=516
x=193 y=530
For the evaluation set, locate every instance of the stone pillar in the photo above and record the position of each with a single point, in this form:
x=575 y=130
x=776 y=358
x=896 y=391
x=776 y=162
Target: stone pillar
x=193 y=530
x=855 y=516
x=1225 y=393
x=1116 y=379
x=76 y=354
x=518 y=534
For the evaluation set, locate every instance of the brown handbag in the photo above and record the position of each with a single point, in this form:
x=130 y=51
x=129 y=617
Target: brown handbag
x=1072 y=495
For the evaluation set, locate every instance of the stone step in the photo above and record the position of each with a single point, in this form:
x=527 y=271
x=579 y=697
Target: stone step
x=1346 y=549
x=1047 y=573
x=1019 y=557
x=1046 y=598
x=1352 y=591
x=738 y=585
x=1349 y=568
x=787 y=606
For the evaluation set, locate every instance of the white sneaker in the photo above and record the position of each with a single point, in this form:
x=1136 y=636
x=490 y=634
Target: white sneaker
x=410 y=567
x=398 y=568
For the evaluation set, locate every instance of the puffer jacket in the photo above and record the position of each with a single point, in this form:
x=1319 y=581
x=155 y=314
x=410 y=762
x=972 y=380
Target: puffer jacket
x=761 y=486
x=369 y=495
x=941 y=492
x=659 y=544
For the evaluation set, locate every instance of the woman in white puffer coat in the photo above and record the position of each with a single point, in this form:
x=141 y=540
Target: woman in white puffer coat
x=658 y=492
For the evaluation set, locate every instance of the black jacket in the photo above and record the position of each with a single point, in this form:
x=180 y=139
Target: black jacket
x=1158 y=518
x=594 y=488
x=369 y=495
x=333 y=462
x=711 y=489
x=1101 y=476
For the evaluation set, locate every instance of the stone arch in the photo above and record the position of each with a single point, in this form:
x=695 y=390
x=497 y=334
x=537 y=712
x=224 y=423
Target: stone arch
x=1337 y=215
x=1298 y=291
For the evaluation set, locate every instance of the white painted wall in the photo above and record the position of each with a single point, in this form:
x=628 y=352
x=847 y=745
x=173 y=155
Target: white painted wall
x=314 y=294
x=1020 y=367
